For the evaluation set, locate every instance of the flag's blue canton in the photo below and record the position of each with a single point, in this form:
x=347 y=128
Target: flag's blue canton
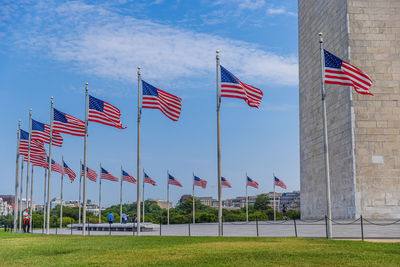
x=332 y=61
x=83 y=168
x=149 y=89
x=60 y=116
x=65 y=165
x=171 y=177
x=145 y=175
x=197 y=179
x=227 y=77
x=24 y=135
x=96 y=104
x=249 y=179
x=37 y=126
x=124 y=173
x=223 y=179
x=276 y=179
x=104 y=171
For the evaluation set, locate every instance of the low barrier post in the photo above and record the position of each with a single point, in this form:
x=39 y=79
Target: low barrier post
x=326 y=226
x=362 y=228
x=71 y=228
x=257 y=225
x=109 y=228
x=88 y=227
x=295 y=227
x=189 y=227
x=160 y=223
x=56 y=230
x=222 y=226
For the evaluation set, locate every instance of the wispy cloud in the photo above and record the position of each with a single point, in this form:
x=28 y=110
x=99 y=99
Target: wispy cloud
x=279 y=11
x=101 y=41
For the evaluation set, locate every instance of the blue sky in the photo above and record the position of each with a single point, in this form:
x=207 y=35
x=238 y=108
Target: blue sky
x=51 y=48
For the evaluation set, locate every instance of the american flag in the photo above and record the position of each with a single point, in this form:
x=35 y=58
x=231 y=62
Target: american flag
x=41 y=132
x=37 y=148
x=55 y=167
x=69 y=172
x=148 y=180
x=279 y=183
x=64 y=123
x=155 y=98
x=251 y=183
x=338 y=71
x=107 y=176
x=105 y=113
x=199 y=182
x=225 y=182
x=231 y=86
x=172 y=180
x=128 y=178
x=91 y=174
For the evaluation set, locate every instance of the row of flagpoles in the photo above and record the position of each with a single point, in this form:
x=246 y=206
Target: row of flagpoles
x=333 y=71
x=99 y=111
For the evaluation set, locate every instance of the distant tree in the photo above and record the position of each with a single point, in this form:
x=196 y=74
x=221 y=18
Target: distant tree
x=262 y=203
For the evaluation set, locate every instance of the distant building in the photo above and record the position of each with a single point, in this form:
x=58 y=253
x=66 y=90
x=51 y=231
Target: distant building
x=206 y=200
x=9 y=199
x=162 y=203
x=291 y=200
x=5 y=208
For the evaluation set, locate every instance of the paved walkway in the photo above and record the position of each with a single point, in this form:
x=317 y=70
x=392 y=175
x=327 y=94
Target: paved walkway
x=341 y=230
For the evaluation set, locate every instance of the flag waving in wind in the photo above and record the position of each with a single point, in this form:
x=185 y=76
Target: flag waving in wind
x=155 y=98
x=55 y=167
x=338 y=71
x=231 y=86
x=199 y=182
x=91 y=174
x=251 y=182
x=224 y=182
x=172 y=180
x=127 y=177
x=148 y=180
x=105 y=175
x=279 y=183
x=104 y=113
x=64 y=123
x=38 y=152
x=41 y=132
x=69 y=172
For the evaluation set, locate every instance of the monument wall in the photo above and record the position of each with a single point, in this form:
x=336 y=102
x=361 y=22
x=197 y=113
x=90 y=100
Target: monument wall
x=363 y=131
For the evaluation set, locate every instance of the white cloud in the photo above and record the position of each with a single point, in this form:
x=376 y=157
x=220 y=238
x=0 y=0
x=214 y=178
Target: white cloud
x=102 y=42
x=279 y=11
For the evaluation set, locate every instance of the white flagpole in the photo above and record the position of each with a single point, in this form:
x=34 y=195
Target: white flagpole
x=138 y=154
x=247 y=203
x=120 y=200
x=29 y=159
x=31 y=204
x=143 y=201
x=326 y=147
x=49 y=181
x=16 y=178
x=273 y=182
x=168 y=197
x=219 y=146
x=100 y=195
x=85 y=160
x=44 y=199
x=20 y=193
x=80 y=191
x=62 y=183
x=194 y=208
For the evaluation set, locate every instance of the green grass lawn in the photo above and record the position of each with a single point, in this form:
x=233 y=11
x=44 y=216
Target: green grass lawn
x=41 y=250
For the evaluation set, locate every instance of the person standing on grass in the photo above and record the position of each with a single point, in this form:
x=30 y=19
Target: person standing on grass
x=26 y=221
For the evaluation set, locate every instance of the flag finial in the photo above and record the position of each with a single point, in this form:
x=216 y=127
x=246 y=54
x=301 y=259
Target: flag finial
x=321 y=40
x=217 y=51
